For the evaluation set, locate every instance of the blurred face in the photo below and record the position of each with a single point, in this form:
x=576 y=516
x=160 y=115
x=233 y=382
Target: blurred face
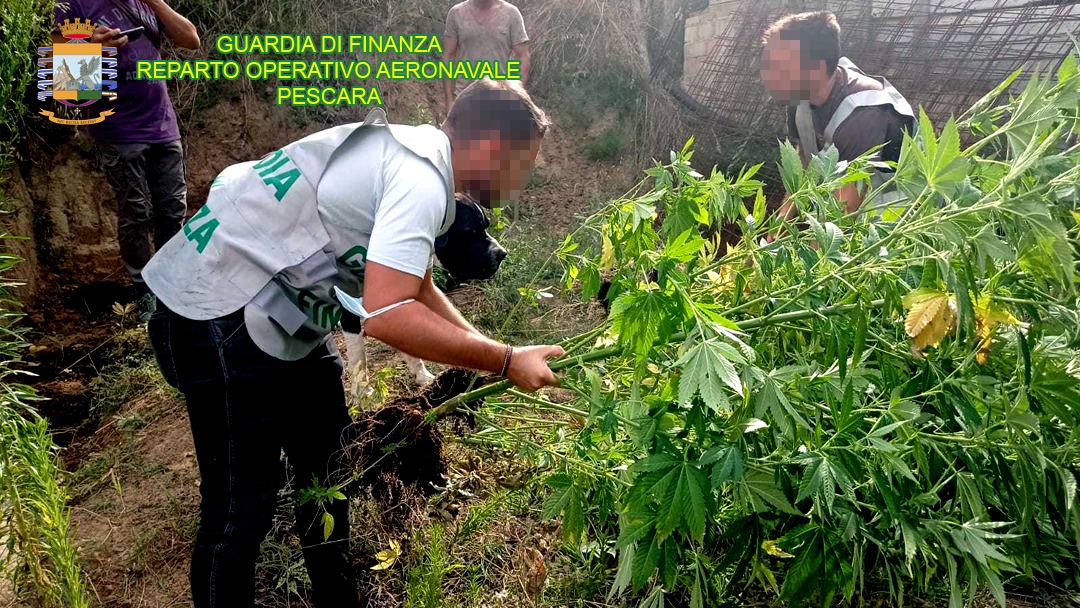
x=494 y=170
x=784 y=76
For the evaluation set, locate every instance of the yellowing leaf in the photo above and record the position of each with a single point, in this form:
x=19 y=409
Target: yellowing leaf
x=987 y=316
x=772 y=547
x=931 y=315
x=607 y=254
x=721 y=281
x=651 y=380
x=605 y=341
x=328 y=525
x=387 y=557
x=992 y=313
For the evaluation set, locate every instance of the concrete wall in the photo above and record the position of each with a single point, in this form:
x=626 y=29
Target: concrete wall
x=702 y=30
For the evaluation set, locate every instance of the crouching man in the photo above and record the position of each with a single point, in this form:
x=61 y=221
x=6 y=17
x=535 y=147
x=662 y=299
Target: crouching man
x=831 y=102
x=248 y=294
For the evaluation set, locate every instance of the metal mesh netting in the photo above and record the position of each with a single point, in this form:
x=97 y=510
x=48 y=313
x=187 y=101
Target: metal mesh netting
x=943 y=55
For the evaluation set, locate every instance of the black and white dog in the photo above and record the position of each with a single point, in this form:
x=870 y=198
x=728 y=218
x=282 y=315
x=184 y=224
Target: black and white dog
x=466 y=252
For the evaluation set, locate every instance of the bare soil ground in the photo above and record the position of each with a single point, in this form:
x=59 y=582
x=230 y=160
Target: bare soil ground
x=136 y=524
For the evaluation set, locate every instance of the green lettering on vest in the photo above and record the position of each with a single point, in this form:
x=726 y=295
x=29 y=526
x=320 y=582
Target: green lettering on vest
x=354 y=260
x=282 y=182
x=305 y=299
x=322 y=313
x=201 y=234
x=275 y=166
x=329 y=315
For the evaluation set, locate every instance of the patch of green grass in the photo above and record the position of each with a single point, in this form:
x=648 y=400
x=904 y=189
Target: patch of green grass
x=117 y=462
x=134 y=374
x=584 y=97
x=281 y=577
x=131 y=422
x=581 y=575
x=424 y=582
x=440 y=277
x=281 y=572
x=106 y=468
x=420 y=114
x=146 y=555
x=121 y=383
x=481 y=515
x=183 y=520
x=501 y=309
x=609 y=145
x=476 y=580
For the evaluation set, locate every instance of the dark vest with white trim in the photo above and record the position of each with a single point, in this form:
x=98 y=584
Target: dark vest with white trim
x=864 y=95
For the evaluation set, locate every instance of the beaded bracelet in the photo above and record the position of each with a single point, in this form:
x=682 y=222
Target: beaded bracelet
x=506 y=360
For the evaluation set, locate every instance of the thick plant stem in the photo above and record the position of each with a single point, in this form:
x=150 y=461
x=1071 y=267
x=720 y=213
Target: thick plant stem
x=606 y=353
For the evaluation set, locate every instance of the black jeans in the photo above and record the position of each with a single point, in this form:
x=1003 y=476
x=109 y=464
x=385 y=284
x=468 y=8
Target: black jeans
x=151 y=195
x=245 y=407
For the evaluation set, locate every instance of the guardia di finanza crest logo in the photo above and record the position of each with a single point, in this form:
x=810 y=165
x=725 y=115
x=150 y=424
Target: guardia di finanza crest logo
x=76 y=74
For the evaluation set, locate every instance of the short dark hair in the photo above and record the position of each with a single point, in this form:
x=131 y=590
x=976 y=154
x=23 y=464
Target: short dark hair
x=496 y=106
x=818 y=34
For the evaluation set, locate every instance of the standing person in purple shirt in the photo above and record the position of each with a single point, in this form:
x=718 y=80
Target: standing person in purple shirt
x=139 y=147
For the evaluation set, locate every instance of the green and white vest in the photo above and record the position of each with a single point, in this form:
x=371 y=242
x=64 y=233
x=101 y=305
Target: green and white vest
x=260 y=242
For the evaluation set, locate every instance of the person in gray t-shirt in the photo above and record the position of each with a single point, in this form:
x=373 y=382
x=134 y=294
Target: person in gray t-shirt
x=484 y=30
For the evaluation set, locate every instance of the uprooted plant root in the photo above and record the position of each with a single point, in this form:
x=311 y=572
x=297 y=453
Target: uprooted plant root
x=399 y=446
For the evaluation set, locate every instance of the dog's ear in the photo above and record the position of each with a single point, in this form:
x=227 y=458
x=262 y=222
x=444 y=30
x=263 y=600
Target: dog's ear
x=467 y=215
x=471 y=216
x=484 y=222
x=478 y=203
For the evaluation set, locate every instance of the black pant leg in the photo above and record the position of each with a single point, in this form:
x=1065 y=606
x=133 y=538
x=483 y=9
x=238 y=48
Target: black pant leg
x=165 y=172
x=125 y=168
x=235 y=420
x=317 y=417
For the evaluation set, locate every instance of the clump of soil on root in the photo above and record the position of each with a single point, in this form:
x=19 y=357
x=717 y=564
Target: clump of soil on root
x=398 y=447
